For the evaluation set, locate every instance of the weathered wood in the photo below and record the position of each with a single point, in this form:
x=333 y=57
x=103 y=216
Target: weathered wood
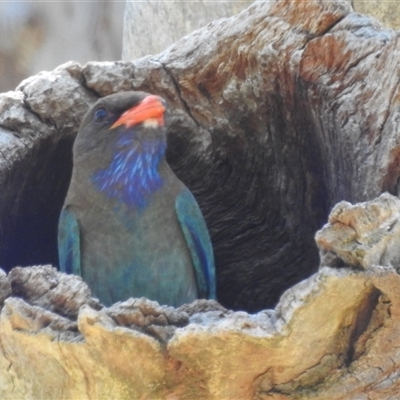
x=276 y=114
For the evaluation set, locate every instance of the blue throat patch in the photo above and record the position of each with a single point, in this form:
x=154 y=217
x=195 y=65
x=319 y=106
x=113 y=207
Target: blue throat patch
x=132 y=175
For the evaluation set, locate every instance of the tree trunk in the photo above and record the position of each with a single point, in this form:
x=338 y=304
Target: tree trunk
x=276 y=114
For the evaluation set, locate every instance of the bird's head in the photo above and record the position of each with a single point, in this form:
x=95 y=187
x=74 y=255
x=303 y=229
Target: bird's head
x=139 y=114
x=121 y=145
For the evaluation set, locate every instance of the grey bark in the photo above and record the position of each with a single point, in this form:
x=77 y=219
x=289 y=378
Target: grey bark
x=276 y=114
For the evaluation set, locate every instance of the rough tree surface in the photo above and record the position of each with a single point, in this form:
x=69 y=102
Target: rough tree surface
x=276 y=115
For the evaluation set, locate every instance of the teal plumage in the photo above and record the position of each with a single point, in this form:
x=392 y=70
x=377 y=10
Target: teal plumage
x=198 y=241
x=69 y=251
x=129 y=226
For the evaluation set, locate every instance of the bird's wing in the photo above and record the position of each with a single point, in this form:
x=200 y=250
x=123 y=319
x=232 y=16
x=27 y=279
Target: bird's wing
x=69 y=249
x=198 y=240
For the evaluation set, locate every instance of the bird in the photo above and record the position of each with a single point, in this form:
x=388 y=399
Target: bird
x=129 y=227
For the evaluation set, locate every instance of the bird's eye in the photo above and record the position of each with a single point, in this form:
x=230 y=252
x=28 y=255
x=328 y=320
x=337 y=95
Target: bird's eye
x=100 y=115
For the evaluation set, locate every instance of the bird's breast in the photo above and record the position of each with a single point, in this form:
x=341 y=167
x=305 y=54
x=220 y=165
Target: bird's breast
x=132 y=176
x=138 y=253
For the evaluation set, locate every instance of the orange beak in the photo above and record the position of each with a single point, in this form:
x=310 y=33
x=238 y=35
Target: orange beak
x=150 y=109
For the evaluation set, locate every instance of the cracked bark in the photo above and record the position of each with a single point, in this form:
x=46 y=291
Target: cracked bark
x=177 y=88
x=275 y=115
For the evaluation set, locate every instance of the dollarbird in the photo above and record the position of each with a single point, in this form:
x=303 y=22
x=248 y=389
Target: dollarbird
x=129 y=226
